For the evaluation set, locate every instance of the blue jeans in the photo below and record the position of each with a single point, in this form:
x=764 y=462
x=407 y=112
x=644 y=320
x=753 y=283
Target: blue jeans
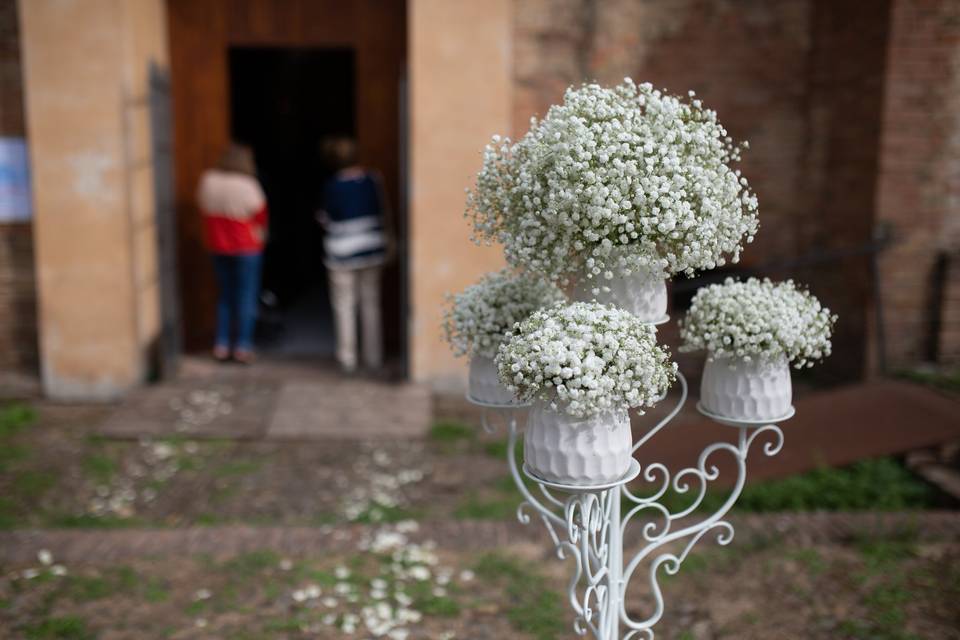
x=238 y=279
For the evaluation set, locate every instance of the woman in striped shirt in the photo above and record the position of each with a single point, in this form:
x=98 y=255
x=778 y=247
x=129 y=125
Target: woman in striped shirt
x=356 y=247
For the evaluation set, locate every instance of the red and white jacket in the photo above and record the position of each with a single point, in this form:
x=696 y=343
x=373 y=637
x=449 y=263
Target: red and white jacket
x=234 y=212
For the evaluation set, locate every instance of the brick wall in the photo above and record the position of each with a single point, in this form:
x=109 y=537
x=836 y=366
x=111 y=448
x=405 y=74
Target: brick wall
x=746 y=60
x=18 y=317
x=800 y=79
x=948 y=335
x=919 y=182
x=844 y=97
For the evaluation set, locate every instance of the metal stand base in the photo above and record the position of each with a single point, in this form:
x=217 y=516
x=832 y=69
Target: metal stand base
x=591 y=521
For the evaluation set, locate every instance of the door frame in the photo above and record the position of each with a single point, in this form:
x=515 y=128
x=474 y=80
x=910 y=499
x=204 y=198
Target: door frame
x=200 y=34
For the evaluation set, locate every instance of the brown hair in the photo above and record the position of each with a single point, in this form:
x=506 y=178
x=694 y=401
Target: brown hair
x=237 y=158
x=339 y=152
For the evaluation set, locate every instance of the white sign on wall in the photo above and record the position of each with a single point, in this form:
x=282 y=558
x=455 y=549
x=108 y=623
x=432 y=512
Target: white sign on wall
x=15 y=202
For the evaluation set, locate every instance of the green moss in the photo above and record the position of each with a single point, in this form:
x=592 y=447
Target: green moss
x=946 y=380
x=120 y=580
x=236 y=468
x=881 y=484
x=88 y=521
x=533 y=608
x=14 y=418
x=59 y=628
x=11 y=454
x=810 y=559
x=99 y=468
x=31 y=484
x=450 y=431
x=252 y=563
x=477 y=507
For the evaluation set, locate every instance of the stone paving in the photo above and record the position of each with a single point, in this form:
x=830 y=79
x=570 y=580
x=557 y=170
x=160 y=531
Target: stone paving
x=271 y=400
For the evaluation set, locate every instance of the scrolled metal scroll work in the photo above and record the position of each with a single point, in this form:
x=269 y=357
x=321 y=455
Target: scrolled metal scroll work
x=588 y=526
x=661 y=529
x=594 y=546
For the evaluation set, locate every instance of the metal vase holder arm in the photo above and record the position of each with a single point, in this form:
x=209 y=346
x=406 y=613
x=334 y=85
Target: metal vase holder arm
x=588 y=523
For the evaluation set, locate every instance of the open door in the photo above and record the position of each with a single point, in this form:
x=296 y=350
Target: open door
x=286 y=53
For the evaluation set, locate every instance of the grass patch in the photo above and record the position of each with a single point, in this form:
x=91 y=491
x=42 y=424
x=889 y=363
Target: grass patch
x=476 y=507
x=496 y=502
x=117 y=580
x=63 y=627
x=89 y=521
x=233 y=468
x=881 y=484
x=498 y=448
x=100 y=468
x=30 y=485
x=8 y=513
x=533 y=608
x=11 y=454
x=883 y=554
x=946 y=380
x=451 y=431
x=252 y=563
x=14 y=418
x=886 y=588
x=810 y=559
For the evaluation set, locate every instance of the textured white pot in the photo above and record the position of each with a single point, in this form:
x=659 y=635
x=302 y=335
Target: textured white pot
x=643 y=293
x=754 y=390
x=578 y=451
x=485 y=384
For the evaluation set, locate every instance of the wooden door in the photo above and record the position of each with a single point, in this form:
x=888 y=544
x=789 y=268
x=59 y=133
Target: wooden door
x=201 y=32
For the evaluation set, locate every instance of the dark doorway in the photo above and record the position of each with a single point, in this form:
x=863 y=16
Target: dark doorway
x=283 y=102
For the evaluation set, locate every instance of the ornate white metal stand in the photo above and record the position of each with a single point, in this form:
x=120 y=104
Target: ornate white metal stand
x=591 y=521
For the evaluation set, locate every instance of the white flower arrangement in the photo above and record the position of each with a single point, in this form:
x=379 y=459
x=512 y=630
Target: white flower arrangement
x=585 y=358
x=478 y=319
x=614 y=180
x=758 y=319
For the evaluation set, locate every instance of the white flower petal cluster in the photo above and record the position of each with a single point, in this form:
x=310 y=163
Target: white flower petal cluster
x=586 y=358
x=758 y=319
x=478 y=319
x=612 y=180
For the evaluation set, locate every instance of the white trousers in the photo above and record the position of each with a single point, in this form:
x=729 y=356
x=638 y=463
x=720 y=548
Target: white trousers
x=350 y=288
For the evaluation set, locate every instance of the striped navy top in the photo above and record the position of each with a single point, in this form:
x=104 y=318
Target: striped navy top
x=355 y=235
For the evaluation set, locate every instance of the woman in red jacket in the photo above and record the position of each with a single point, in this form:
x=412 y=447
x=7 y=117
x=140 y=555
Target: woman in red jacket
x=235 y=219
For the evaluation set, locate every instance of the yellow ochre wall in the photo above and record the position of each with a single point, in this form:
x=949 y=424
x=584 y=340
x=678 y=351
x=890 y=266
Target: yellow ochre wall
x=460 y=95
x=86 y=71
x=87 y=110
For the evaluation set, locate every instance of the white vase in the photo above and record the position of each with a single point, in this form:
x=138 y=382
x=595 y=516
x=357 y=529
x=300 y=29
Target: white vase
x=485 y=384
x=755 y=390
x=643 y=293
x=577 y=451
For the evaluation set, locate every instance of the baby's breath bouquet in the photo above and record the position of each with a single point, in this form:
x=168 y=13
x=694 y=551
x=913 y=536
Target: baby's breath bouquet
x=584 y=359
x=758 y=319
x=612 y=181
x=477 y=319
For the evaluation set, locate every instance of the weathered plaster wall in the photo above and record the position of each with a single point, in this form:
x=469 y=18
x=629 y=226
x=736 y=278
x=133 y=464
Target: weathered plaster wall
x=85 y=69
x=460 y=95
